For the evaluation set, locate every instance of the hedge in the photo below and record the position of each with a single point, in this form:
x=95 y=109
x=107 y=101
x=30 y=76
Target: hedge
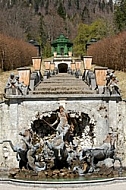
x=110 y=52
x=15 y=53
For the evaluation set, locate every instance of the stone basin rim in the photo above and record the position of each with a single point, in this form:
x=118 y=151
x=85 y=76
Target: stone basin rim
x=68 y=183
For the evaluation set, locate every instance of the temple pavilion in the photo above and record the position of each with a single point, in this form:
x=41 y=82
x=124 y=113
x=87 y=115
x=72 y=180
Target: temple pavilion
x=61 y=46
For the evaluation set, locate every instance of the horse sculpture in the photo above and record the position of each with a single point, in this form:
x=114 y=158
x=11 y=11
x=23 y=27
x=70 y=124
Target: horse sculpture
x=26 y=151
x=22 y=148
x=107 y=150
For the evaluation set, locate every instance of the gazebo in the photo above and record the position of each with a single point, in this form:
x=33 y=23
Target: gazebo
x=61 y=46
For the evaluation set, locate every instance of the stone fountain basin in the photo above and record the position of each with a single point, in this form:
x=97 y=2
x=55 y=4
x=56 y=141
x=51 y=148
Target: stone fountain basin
x=77 y=182
x=61 y=175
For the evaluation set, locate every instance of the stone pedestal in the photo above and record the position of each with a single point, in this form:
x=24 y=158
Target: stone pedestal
x=78 y=64
x=100 y=74
x=52 y=66
x=87 y=62
x=36 y=63
x=73 y=66
x=47 y=65
x=24 y=75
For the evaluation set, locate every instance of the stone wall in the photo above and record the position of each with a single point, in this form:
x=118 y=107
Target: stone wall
x=107 y=115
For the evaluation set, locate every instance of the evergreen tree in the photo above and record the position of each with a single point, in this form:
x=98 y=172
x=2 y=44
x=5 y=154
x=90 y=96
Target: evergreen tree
x=47 y=50
x=36 y=5
x=77 y=4
x=85 y=14
x=69 y=4
x=42 y=34
x=97 y=30
x=111 y=5
x=81 y=40
x=120 y=15
x=61 y=10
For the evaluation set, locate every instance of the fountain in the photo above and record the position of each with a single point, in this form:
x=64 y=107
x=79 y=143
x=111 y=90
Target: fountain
x=60 y=145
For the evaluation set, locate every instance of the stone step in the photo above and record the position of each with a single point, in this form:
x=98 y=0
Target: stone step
x=62 y=77
x=72 y=83
x=61 y=80
x=62 y=83
x=60 y=91
x=61 y=88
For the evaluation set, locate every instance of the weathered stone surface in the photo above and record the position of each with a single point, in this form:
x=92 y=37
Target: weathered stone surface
x=106 y=113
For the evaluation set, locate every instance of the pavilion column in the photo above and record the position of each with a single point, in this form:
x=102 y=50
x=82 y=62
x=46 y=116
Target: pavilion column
x=58 y=49
x=65 y=50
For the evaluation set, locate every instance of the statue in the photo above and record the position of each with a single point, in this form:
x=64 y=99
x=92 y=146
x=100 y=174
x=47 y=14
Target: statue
x=111 y=83
x=107 y=150
x=64 y=148
x=62 y=121
x=22 y=148
x=10 y=83
x=17 y=87
x=31 y=157
x=20 y=86
x=113 y=86
x=26 y=150
x=60 y=151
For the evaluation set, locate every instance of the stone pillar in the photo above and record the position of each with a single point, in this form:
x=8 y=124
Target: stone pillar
x=112 y=116
x=24 y=75
x=70 y=53
x=66 y=50
x=52 y=67
x=55 y=54
x=47 y=65
x=1 y=137
x=9 y=131
x=36 y=63
x=73 y=66
x=100 y=74
x=87 y=62
x=124 y=128
x=58 y=49
x=78 y=64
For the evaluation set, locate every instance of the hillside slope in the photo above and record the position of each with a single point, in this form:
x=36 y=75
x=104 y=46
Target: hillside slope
x=28 y=19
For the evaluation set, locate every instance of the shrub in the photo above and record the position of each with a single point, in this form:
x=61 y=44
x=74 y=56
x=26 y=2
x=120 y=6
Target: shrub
x=110 y=52
x=15 y=53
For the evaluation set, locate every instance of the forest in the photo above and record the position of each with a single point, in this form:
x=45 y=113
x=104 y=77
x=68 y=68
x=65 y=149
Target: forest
x=44 y=20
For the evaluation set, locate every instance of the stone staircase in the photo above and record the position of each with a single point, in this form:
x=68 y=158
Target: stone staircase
x=62 y=83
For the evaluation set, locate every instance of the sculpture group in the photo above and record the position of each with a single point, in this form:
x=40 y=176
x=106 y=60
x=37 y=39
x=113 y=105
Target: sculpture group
x=14 y=86
x=60 y=149
x=111 y=83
